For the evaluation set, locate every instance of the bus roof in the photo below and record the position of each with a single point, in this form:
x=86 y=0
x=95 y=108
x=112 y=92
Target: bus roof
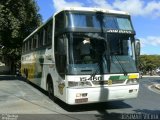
x=83 y=9
x=92 y=9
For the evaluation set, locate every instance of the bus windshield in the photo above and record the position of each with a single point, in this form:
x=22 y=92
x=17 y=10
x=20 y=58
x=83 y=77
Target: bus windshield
x=84 y=20
x=89 y=52
x=87 y=49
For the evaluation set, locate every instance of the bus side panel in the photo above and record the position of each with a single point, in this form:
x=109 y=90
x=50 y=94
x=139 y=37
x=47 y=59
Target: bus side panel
x=49 y=69
x=28 y=63
x=32 y=66
x=39 y=67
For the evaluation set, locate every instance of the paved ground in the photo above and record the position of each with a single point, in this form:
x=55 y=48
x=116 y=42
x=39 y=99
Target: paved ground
x=20 y=97
x=156 y=85
x=22 y=101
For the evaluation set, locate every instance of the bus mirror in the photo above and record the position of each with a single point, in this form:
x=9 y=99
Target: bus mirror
x=137 y=47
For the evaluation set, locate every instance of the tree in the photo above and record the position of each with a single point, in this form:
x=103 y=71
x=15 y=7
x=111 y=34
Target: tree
x=18 y=18
x=149 y=62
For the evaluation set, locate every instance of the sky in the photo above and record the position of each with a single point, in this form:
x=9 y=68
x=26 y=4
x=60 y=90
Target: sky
x=145 y=15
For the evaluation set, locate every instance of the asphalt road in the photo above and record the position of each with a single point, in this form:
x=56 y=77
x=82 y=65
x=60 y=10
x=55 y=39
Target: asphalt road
x=22 y=101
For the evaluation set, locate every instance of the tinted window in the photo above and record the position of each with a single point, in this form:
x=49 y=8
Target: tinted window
x=60 y=54
x=48 y=33
x=84 y=20
x=59 y=23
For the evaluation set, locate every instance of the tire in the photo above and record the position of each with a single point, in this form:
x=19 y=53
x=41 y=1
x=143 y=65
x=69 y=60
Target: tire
x=50 y=90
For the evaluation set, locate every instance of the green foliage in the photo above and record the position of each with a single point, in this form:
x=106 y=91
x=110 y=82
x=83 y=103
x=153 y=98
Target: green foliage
x=149 y=62
x=18 y=18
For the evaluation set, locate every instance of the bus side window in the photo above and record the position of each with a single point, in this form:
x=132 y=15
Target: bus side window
x=40 y=38
x=60 y=45
x=35 y=45
x=27 y=45
x=44 y=35
x=30 y=44
x=48 y=34
x=49 y=40
x=60 y=54
x=59 y=23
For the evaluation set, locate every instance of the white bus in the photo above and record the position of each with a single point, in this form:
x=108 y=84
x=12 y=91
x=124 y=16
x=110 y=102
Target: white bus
x=84 y=55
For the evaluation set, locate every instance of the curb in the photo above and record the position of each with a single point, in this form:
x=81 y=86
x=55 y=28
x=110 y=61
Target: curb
x=150 y=76
x=157 y=86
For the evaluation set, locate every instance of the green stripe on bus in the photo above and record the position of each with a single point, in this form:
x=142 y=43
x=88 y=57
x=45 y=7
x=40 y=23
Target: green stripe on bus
x=118 y=77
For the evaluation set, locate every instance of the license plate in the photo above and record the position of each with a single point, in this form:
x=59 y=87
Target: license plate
x=83 y=100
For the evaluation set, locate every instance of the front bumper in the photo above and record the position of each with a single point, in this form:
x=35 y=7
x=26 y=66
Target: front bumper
x=100 y=94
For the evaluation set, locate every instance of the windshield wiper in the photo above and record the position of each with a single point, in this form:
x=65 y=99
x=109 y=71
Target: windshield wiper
x=96 y=71
x=99 y=68
x=124 y=71
x=100 y=64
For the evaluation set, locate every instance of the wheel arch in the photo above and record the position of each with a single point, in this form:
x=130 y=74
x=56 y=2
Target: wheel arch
x=49 y=78
x=49 y=81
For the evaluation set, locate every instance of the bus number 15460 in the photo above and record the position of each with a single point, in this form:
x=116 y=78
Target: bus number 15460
x=91 y=78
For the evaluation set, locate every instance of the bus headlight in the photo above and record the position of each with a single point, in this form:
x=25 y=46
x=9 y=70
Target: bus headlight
x=79 y=84
x=132 y=81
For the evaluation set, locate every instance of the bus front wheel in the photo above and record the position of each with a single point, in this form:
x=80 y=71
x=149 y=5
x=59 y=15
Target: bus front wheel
x=50 y=90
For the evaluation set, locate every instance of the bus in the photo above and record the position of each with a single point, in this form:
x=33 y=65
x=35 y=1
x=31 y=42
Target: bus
x=84 y=55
